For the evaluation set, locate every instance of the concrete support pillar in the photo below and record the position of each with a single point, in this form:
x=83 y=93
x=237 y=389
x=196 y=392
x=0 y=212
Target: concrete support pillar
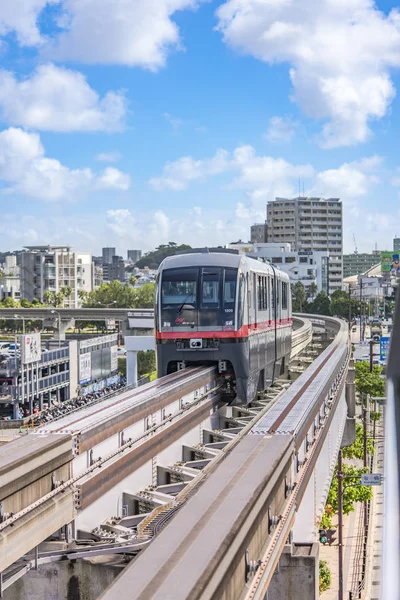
x=297 y=574
x=133 y=344
x=41 y=402
x=131 y=367
x=15 y=409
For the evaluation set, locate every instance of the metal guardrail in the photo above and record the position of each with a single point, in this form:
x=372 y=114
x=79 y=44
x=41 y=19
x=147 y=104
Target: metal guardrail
x=391 y=524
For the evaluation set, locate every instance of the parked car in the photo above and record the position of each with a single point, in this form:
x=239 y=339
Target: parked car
x=121 y=351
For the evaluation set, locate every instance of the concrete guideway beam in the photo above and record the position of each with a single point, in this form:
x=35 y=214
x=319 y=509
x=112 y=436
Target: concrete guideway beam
x=35 y=526
x=122 y=465
x=26 y=466
x=227 y=516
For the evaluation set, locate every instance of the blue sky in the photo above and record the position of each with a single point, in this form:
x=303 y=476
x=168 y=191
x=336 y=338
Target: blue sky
x=137 y=123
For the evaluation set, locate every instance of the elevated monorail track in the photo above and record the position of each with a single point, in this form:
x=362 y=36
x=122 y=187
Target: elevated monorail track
x=92 y=425
x=249 y=496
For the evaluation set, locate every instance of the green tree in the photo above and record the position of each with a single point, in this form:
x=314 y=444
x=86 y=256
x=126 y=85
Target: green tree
x=155 y=258
x=325 y=578
x=113 y=293
x=9 y=303
x=66 y=292
x=353 y=491
x=132 y=280
x=59 y=299
x=48 y=297
x=356 y=450
x=146 y=362
x=145 y=296
x=321 y=305
x=299 y=297
x=25 y=303
x=36 y=302
x=368 y=383
x=313 y=289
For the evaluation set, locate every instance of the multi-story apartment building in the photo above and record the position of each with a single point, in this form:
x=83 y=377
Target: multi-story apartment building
x=396 y=244
x=310 y=224
x=115 y=270
x=258 y=233
x=134 y=256
x=51 y=268
x=108 y=254
x=356 y=264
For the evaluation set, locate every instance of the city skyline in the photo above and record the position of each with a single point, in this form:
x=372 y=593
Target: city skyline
x=183 y=132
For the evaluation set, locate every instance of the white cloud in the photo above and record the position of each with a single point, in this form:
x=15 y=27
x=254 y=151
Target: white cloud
x=261 y=177
x=25 y=169
x=112 y=178
x=108 y=157
x=20 y=16
x=281 y=130
x=58 y=99
x=134 y=33
x=178 y=174
x=340 y=55
x=350 y=180
x=173 y=121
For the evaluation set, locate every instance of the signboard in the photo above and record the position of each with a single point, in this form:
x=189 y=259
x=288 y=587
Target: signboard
x=111 y=324
x=114 y=358
x=99 y=341
x=371 y=479
x=85 y=367
x=384 y=347
x=390 y=263
x=30 y=348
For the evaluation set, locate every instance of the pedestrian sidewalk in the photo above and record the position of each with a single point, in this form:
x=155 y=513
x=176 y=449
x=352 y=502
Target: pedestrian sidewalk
x=331 y=555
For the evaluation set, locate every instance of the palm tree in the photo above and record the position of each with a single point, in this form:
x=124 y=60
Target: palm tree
x=313 y=290
x=66 y=292
x=48 y=297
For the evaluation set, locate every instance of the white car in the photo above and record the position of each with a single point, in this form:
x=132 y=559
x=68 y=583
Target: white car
x=121 y=351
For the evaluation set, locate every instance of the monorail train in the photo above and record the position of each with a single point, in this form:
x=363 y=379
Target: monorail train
x=222 y=308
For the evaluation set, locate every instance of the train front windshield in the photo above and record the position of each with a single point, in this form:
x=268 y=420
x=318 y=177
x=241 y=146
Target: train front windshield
x=193 y=298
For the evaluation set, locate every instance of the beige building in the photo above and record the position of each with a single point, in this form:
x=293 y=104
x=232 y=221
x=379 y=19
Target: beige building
x=310 y=224
x=51 y=268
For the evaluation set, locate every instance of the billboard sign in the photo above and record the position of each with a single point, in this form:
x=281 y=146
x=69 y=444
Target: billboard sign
x=114 y=358
x=85 y=368
x=30 y=348
x=384 y=347
x=390 y=263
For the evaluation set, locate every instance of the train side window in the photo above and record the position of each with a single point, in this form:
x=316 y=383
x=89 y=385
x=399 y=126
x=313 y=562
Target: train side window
x=272 y=293
x=259 y=295
x=284 y=295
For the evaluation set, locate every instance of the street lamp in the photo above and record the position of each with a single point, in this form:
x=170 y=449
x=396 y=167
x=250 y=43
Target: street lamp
x=55 y=312
x=23 y=322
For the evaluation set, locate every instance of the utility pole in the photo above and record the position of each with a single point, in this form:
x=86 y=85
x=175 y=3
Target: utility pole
x=340 y=524
x=361 y=309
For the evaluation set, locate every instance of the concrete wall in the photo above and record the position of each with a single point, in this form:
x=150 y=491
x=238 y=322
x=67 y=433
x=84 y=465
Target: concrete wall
x=297 y=574
x=72 y=580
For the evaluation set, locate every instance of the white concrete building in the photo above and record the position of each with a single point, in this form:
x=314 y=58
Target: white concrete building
x=10 y=287
x=51 y=268
x=310 y=224
x=306 y=266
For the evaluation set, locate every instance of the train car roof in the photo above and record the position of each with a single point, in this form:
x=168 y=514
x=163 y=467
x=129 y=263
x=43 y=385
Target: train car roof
x=217 y=259
x=201 y=259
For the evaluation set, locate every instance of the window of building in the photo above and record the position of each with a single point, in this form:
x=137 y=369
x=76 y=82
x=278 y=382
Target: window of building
x=303 y=259
x=277 y=259
x=290 y=259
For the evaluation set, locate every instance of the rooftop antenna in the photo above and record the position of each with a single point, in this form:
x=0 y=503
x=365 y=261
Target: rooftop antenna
x=303 y=190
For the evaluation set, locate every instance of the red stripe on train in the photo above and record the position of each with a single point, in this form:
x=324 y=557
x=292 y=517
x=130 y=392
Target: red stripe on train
x=244 y=331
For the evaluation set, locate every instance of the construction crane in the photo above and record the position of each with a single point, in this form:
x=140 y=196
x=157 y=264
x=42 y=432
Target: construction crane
x=355 y=245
